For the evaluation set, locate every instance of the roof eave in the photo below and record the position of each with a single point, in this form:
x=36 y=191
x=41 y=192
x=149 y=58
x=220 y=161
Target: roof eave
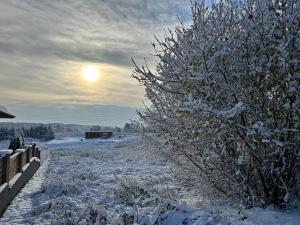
x=5 y=114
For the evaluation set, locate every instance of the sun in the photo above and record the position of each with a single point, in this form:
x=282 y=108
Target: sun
x=90 y=73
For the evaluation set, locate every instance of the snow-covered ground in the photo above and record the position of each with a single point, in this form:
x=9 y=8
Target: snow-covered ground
x=116 y=181
x=79 y=143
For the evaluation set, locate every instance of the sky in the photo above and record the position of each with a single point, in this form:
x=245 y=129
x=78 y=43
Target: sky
x=46 y=44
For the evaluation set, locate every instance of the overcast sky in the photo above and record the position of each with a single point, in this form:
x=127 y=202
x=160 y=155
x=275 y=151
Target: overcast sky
x=44 y=44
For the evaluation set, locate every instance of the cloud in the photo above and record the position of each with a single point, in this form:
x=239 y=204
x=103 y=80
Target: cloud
x=100 y=31
x=44 y=44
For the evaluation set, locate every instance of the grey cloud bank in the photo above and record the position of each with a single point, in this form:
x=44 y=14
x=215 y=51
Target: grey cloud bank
x=106 y=115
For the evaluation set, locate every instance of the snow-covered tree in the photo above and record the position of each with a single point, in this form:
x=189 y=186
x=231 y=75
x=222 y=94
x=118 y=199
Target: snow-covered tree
x=226 y=99
x=17 y=140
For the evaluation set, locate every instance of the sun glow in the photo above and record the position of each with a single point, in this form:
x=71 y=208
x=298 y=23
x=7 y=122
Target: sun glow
x=90 y=73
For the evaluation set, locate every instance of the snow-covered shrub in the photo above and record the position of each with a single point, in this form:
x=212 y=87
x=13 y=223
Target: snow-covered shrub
x=130 y=191
x=17 y=141
x=225 y=99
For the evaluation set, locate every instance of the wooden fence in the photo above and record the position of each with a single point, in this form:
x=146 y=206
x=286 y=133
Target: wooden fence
x=16 y=170
x=10 y=165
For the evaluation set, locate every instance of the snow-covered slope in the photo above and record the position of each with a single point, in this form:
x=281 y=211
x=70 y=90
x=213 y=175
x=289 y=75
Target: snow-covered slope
x=115 y=181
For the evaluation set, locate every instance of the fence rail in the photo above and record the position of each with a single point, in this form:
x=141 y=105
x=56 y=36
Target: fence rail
x=10 y=165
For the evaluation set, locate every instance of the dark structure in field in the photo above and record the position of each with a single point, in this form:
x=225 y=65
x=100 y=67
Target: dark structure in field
x=5 y=114
x=98 y=134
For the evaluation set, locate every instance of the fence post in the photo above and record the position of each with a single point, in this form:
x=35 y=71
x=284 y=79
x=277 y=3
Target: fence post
x=5 y=169
x=20 y=162
x=33 y=150
x=30 y=150
x=27 y=155
x=38 y=152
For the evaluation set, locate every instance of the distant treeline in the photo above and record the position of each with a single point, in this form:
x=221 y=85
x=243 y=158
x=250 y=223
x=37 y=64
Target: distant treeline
x=49 y=131
x=128 y=128
x=41 y=132
x=105 y=128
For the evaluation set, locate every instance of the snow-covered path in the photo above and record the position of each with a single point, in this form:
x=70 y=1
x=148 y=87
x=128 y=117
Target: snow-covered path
x=116 y=182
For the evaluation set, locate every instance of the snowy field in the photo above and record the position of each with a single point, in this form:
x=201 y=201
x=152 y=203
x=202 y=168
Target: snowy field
x=115 y=181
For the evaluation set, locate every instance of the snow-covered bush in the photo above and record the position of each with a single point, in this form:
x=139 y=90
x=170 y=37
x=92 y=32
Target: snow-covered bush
x=17 y=141
x=225 y=99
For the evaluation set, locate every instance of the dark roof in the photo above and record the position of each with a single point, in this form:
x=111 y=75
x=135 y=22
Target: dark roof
x=5 y=114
